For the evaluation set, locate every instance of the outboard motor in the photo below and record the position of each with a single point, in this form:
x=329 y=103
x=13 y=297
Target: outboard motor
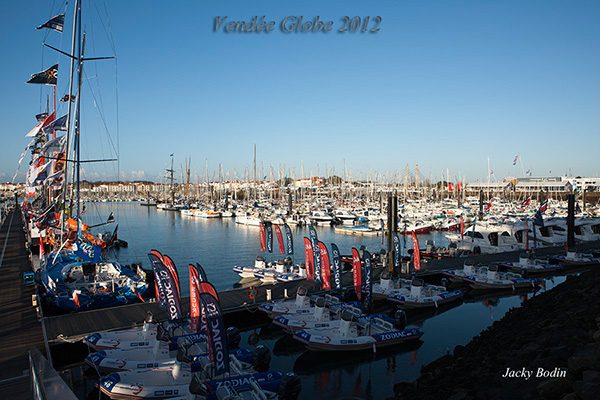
x=260 y=262
x=288 y=261
x=289 y=387
x=261 y=358
x=476 y=250
x=524 y=273
x=301 y=296
x=197 y=387
x=233 y=337
x=492 y=272
x=430 y=246
x=182 y=356
x=320 y=308
x=302 y=270
x=345 y=323
x=452 y=249
x=385 y=281
x=416 y=287
x=162 y=334
x=444 y=282
x=149 y=317
x=523 y=259
x=280 y=267
x=400 y=320
x=468 y=267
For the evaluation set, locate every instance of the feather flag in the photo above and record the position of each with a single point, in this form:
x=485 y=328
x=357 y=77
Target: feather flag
x=326 y=269
x=168 y=262
x=263 y=237
x=368 y=281
x=215 y=333
x=279 y=238
x=314 y=242
x=357 y=273
x=194 y=298
x=337 y=266
x=290 y=241
x=396 y=239
x=416 y=252
x=308 y=258
x=269 y=229
x=39 y=127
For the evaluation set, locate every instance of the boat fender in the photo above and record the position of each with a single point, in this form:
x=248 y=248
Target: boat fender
x=261 y=358
x=252 y=292
x=289 y=387
x=253 y=339
x=400 y=320
x=233 y=337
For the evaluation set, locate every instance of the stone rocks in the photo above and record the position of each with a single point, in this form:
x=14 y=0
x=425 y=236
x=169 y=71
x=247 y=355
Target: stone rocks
x=556 y=331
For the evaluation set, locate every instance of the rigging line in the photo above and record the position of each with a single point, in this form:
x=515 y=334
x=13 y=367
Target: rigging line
x=102 y=117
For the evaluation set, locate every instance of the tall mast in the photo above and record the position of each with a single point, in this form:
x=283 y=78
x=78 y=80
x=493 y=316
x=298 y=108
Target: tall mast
x=77 y=125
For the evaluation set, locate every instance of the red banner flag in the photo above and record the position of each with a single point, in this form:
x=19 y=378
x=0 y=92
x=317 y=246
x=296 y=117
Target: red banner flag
x=325 y=268
x=194 y=298
x=308 y=256
x=263 y=238
x=356 y=273
x=462 y=228
x=416 y=254
x=173 y=271
x=279 y=239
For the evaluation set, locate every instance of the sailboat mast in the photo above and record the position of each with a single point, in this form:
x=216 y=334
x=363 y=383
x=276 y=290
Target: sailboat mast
x=77 y=124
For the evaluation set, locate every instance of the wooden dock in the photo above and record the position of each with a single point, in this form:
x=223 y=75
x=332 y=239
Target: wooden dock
x=20 y=328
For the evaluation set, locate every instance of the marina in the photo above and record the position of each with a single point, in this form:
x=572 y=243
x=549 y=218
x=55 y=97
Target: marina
x=226 y=212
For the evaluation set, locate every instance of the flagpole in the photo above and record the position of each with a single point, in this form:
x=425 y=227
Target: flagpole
x=54 y=107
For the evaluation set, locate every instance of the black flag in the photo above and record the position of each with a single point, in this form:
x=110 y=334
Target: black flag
x=55 y=23
x=47 y=77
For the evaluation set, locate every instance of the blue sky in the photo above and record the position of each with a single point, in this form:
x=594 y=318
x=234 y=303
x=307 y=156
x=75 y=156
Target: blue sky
x=443 y=84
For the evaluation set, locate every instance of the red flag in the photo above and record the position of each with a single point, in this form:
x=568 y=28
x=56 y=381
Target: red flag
x=325 y=268
x=462 y=228
x=488 y=206
x=357 y=273
x=279 y=239
x=450 y=187
x=416 y=253
x=263 y=238
x=308 y=256
x=42 y=252
x=207 y=287
x=173 y=271
x=194 y=298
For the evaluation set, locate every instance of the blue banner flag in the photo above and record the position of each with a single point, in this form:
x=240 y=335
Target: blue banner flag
x=368 y=281
x=396 y=251
x=215 y=333
x=269 y=229
x=337 y=266
x=289 y=239
x=316 y=252
x=167 y=285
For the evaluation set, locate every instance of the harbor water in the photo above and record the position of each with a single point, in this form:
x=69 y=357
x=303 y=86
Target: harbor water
x=219 y=244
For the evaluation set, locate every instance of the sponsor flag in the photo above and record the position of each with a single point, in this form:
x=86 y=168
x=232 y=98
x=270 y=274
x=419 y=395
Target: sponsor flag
x=368 y=281
x=308 y=258
x=54 y=23
x=526 y=202
x=279 y=239
x=290 y=241
x=215 y=333
x=201 y=273
x=168 y=262
x=263 y=238
x=87 y=252
x=450 y=187
x=416 y=253
x=43 y=124
x=462 y=228
x=396 y=251
x=47 y=77
x=357 y=273
x=314 y=242
x=207 y=287
x=57 y=125
x=337 y=266
x=544 y=206
x=326 y=269
x=194 y=298
x=515 y=160
x=166 y=285
x=269 y=229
